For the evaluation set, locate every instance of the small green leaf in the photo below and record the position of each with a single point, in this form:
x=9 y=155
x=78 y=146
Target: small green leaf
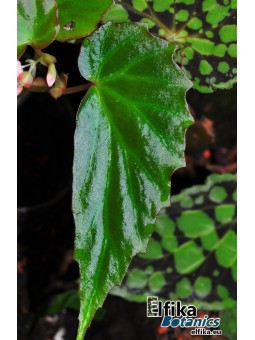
x=202 y=46
x=199 y=200
x=217 y=14
x=189 y=52
x=182 y=15
x=209 y=34
x=186 y=202
x=149 y=269
x=183 y=288
x=234 y=4
x=216 y=273
x=170 y=243
x=149 y=22
x=129 y=139
x=220 y=50
x=162 y=5
x=225 y=213
x=203 y=286
x=205 y=68
x=117 y=13
x=156 y=282
x=218 y=194
x=194 y=223
x=223 y=67
x=222 y=292
x=164 y=226
x=195 y=24
x=188 y=257
x=154 y=251
x=37 y=23
x=210 y=240
x=232 y=50
x=85 y=16
x=136 y=278
x=228 y=33
x=226 y=251
x=208 y=5
x=140 y=5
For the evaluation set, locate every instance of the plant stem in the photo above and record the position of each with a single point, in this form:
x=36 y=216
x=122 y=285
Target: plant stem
x=68 y=90
x=152 y=16
x=38 y=52
x=141 y=14
x=76 y=89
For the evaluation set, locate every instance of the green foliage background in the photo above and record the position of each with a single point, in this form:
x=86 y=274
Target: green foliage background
x=205 y=33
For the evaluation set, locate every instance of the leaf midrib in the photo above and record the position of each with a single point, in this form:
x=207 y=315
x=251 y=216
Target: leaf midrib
x=122 y=141
x=140 y=114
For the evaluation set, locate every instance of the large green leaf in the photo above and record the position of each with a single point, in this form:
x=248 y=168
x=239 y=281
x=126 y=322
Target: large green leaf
x=41 y=21
x=129 y=140
x=37 y=23
x=78 y=18
x=204 y=31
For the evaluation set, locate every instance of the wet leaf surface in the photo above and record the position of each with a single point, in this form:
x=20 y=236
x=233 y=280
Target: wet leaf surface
x=129 y=140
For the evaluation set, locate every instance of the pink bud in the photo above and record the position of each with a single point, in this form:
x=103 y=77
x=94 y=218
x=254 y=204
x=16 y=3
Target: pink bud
x=51 y=75
x=19 y=68
x=25 y=79
x=19 y=89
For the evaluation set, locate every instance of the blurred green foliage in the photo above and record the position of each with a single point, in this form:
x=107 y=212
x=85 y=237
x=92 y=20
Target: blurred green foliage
x=193 y=251
x=205 y=33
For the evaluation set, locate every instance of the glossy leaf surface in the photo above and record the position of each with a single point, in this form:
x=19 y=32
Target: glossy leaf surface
x=37 y=23
x=78 y=18
x=129 y=140
x=41 y=21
